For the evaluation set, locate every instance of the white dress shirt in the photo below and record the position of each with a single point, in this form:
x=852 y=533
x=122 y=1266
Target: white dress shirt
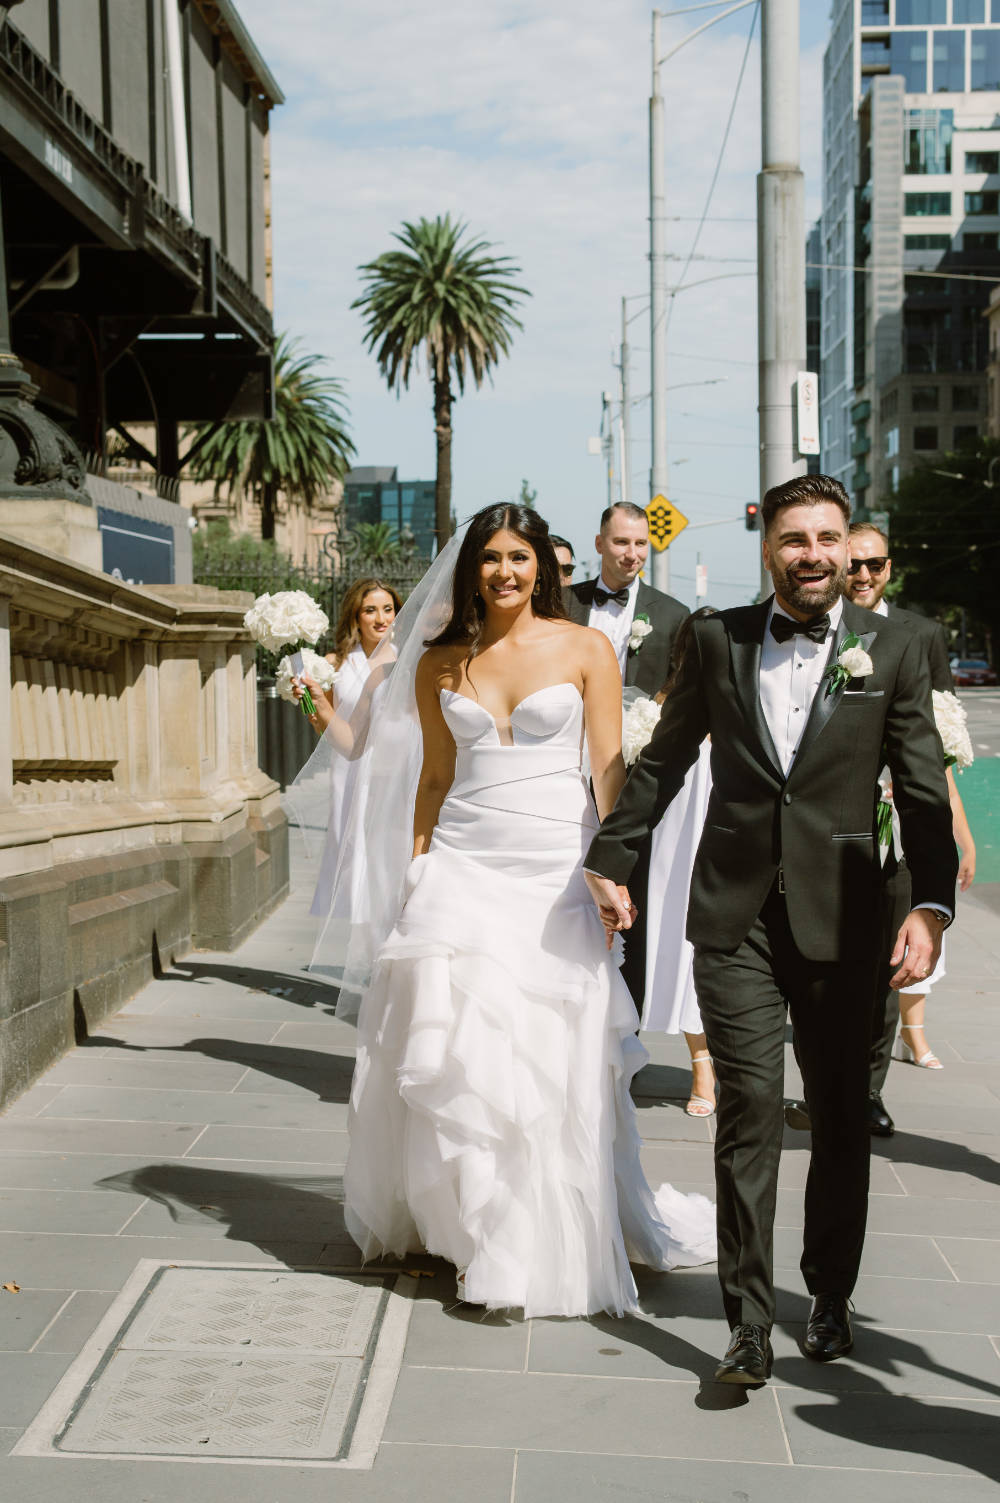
x=615 y=620
x=790 y=675
x=882 y=609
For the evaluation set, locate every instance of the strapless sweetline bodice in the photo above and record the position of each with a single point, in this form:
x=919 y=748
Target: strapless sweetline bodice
x=551 y=717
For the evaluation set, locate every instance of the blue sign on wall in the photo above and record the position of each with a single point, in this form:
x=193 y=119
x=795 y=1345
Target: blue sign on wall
x=136 y=549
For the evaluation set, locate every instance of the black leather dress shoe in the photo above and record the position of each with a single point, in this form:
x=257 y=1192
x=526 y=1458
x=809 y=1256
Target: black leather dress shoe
x=879 y=1121
x=797 y=1116
x=747 y=1359
x=828 y=1329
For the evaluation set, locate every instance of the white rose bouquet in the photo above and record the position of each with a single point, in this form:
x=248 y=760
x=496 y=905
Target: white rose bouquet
x=287 y=619
x=952 y=725
x=317 y=668
x=638 y=725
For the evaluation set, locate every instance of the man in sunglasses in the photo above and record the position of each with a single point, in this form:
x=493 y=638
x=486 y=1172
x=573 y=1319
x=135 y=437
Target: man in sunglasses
x=565 y=558
x=869 y=570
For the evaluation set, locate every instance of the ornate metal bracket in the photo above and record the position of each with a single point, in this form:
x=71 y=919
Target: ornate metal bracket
x=37 y=459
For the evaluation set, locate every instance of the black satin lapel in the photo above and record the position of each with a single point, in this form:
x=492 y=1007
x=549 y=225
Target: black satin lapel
x=824 y=703
x=745 y=656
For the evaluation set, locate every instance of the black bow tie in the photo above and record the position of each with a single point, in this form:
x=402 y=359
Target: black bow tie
x=783 y=629
x=601 y=597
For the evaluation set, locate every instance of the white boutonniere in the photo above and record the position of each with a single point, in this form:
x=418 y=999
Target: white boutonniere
x=640 y=631
x=852 y=661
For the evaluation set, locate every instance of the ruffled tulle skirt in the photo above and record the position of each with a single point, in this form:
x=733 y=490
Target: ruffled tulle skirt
x=491 y=1121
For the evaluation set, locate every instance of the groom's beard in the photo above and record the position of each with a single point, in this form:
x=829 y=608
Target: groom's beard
x=811 y=599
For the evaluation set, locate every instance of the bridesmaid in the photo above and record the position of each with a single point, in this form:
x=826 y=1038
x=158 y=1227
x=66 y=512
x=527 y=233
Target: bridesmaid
x=366 y=619
x=670 y=1004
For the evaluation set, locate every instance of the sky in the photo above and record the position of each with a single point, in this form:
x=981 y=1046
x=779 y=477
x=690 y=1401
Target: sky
x=527 y=119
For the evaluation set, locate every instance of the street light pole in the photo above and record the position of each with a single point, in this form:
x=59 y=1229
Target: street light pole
x=781 y=272
x=626 y=454
x=658 y=292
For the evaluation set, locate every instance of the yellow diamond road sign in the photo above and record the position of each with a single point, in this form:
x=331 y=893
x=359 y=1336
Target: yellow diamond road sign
x=665 y=522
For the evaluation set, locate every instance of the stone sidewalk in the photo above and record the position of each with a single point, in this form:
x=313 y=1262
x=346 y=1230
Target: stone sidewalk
x=207 y=1125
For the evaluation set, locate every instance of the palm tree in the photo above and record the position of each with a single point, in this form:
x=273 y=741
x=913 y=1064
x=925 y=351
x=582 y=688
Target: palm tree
x=376 y=540
x=457 y=302
x=301 y=451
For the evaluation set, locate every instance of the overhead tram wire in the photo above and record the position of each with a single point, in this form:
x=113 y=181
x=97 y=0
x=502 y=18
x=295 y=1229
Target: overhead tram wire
x=719 y=158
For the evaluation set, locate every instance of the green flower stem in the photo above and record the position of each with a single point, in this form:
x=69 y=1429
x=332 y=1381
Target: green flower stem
x=306 y=702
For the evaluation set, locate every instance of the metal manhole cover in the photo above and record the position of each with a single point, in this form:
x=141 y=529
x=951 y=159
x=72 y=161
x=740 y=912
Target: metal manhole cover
x=218 y=1363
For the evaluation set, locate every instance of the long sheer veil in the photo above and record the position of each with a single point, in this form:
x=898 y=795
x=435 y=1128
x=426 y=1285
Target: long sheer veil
x=377 y=844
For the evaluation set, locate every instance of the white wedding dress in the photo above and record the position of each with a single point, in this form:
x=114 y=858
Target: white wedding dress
x=348 y=686
x=490 y=1119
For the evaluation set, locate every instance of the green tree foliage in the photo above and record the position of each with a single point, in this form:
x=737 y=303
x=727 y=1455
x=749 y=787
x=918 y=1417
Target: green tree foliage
x=301 y=452
x=528 y=495
x=945 y=536
x=455 y=302
x=376 y=540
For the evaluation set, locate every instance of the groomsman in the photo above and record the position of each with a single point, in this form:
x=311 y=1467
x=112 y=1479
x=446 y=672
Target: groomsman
x=868 y=572
x=805 y=696
x=641 y=624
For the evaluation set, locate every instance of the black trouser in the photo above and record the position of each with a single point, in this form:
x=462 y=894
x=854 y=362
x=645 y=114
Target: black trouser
x=743 y=996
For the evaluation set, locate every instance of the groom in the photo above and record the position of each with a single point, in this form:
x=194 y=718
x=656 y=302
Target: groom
x=805 y=696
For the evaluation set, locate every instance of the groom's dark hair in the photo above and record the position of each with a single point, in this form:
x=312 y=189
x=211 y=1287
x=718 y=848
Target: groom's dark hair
x=804 y=490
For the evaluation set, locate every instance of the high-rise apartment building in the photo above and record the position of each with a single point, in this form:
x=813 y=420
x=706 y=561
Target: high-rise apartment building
x=909 y=231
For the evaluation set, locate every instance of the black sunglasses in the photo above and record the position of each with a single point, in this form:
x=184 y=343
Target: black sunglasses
x=873 y=565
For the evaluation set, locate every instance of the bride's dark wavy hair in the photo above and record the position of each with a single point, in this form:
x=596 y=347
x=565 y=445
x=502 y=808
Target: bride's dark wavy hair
x=468 y=612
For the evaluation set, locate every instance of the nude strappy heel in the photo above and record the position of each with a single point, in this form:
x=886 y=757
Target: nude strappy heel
x=700 y=1101
x=903 y=1051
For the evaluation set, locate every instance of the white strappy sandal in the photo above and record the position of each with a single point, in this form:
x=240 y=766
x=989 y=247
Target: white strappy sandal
x=700 y=1101
x=902 y=1050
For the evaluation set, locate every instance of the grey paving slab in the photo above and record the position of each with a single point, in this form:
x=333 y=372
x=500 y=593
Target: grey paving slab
x=979 y=1181
x=929 y=1305
x=579 y=1414
x=543 y=1476
x=459 y=1336
x=51 y=1261
x=401 y=1474
x=890 y=1433
x=671 y=1124
x=331 y=1033
x=922 y=1215
x=57 y=1135
x=33 y=1101
x=26 y=1380
x=24 y=1316
x=76 y=1322
x=8 y=1438
x=935 y=1364
x=104 y=1103
x=885 y=1254
x=186 y=1073
x=281 y=1144
x=286 y=1219
x=61 y=1211
x=142 y=1037
x=973 y=1260
x=631 y=1347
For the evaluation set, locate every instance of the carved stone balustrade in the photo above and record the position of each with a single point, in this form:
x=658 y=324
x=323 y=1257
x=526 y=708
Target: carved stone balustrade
x=135 y=823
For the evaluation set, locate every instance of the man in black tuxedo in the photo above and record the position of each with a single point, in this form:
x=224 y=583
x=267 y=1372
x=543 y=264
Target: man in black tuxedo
x=805 y=696
x=868 y=572
x=641 y=624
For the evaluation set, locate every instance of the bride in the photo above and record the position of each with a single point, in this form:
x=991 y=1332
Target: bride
x=490 y=1118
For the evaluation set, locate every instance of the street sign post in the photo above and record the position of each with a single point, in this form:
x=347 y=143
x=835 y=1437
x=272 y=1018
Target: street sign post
x=665 y=522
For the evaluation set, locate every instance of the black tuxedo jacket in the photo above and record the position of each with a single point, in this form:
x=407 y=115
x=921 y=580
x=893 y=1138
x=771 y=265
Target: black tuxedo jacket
x=649 y=668
x=818 y=824
x=932 y=635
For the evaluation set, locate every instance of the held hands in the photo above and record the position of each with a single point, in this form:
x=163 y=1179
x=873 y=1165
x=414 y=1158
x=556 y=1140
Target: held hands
x=919 y=941
x=616 y=909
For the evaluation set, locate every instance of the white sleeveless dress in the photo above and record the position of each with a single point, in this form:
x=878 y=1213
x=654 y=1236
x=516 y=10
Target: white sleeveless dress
x=490 y=1119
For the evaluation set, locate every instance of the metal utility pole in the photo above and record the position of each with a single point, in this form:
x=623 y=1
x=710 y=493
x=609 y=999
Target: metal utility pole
x=781 y=269
x=625 y=460
x=657 y=307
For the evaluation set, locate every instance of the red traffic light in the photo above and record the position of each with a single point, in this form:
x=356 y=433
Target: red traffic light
x=752 y=513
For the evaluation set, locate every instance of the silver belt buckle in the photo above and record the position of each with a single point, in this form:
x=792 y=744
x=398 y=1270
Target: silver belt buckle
x=781 y=880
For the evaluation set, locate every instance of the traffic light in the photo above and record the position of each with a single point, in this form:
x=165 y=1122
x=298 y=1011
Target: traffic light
x=752 y=513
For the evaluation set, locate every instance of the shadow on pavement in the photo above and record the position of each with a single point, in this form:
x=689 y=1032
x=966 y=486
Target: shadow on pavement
x=329 y=1075
x=299 y=990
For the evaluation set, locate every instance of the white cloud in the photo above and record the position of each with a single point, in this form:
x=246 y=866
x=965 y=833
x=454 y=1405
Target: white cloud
x=527 y=119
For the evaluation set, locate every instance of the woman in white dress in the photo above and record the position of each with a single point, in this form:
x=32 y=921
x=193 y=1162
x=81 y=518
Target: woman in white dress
x=490 y=1118
x=670 y=1004
x=365 y=622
